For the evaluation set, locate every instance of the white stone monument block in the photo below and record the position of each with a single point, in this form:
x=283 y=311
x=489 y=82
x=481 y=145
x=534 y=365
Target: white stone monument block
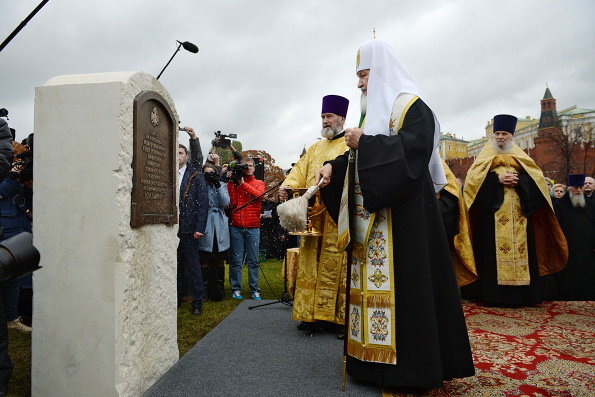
x=105 y=317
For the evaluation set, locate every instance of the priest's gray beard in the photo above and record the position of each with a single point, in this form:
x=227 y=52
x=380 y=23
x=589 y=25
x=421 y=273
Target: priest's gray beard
x=506 y=148
x=577 y=200
x=330 y=132
x=364 y=103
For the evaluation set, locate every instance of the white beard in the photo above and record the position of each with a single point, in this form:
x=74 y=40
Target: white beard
x=330 y=132
x=507 y=146
x=577 y=201
x=364 y=103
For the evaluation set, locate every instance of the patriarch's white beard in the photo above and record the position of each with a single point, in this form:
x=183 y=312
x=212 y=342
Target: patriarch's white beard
x=364 y=103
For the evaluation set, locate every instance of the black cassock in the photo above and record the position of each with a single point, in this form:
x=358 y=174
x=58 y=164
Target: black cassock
x=431 y=335
x=449 y=208
x=577 y=280
x=488 y=201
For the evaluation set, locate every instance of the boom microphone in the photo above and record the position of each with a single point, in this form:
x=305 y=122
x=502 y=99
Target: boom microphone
x=188 y=46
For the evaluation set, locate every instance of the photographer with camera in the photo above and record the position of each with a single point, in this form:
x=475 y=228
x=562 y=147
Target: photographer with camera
x=214 y=245
x=245 y=226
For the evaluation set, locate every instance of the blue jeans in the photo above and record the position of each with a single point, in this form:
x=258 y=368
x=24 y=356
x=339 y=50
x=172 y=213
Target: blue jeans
x=250 y=240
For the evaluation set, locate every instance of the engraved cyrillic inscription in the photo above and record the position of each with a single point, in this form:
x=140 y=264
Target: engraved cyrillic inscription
x=154 y=162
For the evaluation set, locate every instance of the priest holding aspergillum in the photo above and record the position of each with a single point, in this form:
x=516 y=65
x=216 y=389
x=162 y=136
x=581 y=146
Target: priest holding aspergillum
x=319 y=299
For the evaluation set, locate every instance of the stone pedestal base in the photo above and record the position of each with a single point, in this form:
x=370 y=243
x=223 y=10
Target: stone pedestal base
x=105 y=301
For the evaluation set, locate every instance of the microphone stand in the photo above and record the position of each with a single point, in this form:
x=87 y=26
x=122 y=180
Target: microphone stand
x=285 y=298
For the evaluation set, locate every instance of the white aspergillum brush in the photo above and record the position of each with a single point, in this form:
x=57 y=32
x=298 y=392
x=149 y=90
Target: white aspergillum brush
x=293 y=214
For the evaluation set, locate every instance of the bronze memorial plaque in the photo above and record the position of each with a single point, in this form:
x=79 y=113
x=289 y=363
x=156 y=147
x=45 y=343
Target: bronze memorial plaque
x=154 y=162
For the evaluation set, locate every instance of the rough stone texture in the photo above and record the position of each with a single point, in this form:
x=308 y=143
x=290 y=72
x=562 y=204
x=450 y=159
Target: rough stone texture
x=105 y=300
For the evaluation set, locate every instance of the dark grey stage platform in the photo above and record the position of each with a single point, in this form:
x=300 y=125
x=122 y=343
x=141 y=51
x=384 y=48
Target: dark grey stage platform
x=260 y=352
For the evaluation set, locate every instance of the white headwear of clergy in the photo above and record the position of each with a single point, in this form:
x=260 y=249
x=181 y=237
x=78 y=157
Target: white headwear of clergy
x=387 y=79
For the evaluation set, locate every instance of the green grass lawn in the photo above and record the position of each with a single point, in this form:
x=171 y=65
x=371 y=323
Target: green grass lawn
x=191 y=329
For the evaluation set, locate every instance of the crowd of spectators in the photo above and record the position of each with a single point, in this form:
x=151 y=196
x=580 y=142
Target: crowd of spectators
x=232 y=218
x=575 y=211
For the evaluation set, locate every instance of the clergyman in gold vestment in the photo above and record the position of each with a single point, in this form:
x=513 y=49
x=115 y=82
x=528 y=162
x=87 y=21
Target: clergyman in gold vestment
x=320 y=282
x=516 y=236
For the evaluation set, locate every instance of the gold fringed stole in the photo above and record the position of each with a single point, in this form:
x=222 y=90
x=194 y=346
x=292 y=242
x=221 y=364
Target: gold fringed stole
x=372 y=333
x=512 y=258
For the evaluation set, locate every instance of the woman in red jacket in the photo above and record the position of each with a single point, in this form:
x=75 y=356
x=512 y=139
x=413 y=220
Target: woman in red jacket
x=245 y=229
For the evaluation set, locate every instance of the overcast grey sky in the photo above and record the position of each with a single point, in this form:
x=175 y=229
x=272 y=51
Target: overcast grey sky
x=264 y=66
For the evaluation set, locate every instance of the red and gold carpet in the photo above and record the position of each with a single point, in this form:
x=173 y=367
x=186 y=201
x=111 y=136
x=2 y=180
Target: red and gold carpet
x=547 y=350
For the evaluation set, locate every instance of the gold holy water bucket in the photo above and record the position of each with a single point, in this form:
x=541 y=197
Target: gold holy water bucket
x=315 y=207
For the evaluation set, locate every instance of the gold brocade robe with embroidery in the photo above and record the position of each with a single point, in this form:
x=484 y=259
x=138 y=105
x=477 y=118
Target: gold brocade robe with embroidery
x=510 y=222
x=510 y=229
x=320 y=282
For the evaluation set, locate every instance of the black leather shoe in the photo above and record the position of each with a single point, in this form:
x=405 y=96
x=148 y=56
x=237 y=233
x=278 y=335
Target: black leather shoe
x=197 y=311
x=315 y=326
x=303 y=326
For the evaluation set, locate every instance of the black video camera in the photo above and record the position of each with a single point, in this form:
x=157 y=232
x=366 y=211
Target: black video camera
x=18 y=257
x=212 y=178
x=237 y=170
x=222 y=141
